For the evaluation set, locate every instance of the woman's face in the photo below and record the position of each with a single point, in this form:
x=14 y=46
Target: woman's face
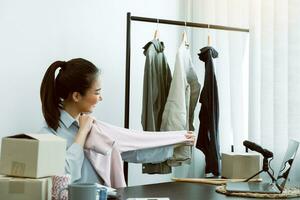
x=88 y=102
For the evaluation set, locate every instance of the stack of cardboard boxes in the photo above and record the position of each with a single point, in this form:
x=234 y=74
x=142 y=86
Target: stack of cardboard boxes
x=28 y=161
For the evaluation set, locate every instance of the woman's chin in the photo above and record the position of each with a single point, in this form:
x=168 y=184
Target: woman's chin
x=88 y=111
x=91 y=110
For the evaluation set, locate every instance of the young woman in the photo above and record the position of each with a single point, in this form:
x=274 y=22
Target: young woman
x=65 y=98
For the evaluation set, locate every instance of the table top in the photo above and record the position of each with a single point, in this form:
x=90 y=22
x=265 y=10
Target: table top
x=175 y=191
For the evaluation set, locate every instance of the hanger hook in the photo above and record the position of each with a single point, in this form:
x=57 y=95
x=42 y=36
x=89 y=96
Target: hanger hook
x=208 y=28
x=157 y=20
x=208 y=37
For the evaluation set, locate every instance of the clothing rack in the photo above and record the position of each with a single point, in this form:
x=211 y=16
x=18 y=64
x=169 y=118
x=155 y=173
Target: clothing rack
x=128 y=52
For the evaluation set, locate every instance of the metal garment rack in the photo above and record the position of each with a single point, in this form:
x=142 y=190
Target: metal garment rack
x=128 y=52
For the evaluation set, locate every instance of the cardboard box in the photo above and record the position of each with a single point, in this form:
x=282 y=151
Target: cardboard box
x=33 y=155
x=25 y=189
x=240 y=165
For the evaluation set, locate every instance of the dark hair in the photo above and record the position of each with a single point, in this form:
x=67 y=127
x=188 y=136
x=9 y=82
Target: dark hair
x=76 y=75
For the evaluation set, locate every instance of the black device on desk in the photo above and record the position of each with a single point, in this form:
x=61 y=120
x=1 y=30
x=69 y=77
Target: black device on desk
x=277 y=185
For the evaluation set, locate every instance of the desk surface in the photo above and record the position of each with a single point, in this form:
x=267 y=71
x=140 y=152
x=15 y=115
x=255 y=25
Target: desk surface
x=176 y=191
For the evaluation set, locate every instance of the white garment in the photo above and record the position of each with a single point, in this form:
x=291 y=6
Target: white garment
x=177 y=109
x=175 y=115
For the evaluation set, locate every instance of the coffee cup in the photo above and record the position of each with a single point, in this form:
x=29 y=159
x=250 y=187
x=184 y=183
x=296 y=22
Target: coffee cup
x=81 y=191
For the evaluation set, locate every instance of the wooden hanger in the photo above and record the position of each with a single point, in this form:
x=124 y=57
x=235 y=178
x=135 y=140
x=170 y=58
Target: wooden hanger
x=185 y=38
x=208 y=37
x=156 y=33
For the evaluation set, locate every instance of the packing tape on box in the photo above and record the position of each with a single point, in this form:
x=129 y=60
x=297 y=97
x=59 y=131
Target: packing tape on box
x=16 y=187
x=17 y=168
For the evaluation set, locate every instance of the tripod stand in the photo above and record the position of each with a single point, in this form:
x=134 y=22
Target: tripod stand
x=265 y=169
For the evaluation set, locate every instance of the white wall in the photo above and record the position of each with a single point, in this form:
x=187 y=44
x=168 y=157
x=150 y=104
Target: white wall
x=35 y=33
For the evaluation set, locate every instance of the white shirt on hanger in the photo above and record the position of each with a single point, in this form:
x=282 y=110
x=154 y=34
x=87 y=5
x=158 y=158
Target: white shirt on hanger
x=184 y=88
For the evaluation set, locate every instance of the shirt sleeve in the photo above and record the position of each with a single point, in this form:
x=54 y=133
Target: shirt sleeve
x=131 y=140
x=150 y=93
x=74 y=161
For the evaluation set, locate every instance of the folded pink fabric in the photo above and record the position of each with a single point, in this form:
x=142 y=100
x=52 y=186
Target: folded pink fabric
x=106 y=142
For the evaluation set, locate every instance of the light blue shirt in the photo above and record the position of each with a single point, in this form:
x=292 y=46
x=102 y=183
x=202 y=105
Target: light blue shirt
x=152 y=155
x=77 y=164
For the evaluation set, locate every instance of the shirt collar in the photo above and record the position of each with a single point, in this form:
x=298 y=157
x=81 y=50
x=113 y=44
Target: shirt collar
x=67 y=119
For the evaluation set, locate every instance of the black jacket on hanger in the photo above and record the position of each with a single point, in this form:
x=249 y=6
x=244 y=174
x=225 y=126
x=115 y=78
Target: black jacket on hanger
x=208 y=136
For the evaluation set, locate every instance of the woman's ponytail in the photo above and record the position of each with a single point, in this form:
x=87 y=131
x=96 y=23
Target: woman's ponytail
x=49 y=97
x=76 y=75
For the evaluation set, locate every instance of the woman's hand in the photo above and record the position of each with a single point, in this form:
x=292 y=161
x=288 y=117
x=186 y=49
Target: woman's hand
x=85 y=125
x=190 y=138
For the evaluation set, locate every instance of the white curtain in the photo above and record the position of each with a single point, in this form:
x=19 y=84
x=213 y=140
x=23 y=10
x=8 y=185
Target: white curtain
x=257 y=73
x=274 y=96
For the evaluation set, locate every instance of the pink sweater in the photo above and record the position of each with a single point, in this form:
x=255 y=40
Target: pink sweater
x=106 y=142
